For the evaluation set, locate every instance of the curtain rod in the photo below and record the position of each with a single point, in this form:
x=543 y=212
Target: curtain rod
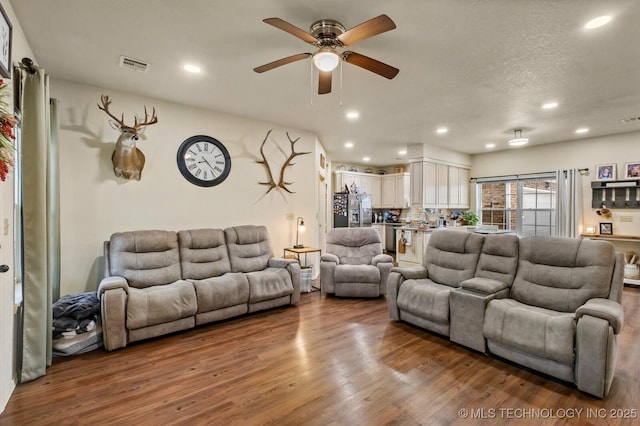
x=582 y=171
x=27 y=64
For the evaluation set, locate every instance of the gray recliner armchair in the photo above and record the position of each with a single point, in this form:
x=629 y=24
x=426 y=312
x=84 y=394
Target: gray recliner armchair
x=353 y=264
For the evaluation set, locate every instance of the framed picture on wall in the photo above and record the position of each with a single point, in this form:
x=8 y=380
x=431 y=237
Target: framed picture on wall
x=632 y=170
x=606 y=228
x=5 y=44
x=606 y=172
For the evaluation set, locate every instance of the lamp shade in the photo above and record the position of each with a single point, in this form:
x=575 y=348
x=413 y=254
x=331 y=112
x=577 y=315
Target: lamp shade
x=326 y=59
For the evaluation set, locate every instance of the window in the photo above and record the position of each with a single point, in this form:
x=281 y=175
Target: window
x=523 y=204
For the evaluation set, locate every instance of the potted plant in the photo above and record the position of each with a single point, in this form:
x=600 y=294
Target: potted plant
x=468 y=218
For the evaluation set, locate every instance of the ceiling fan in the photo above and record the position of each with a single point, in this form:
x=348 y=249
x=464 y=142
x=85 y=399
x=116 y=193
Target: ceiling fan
x=329 y=36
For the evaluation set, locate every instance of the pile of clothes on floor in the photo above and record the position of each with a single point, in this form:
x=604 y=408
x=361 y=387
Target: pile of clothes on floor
x=76 y=324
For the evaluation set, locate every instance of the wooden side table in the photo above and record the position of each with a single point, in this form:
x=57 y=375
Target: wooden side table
x=304 y=250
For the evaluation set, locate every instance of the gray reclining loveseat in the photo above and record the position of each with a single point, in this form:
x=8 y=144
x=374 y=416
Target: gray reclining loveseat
x=159 y=282
x=550 y=304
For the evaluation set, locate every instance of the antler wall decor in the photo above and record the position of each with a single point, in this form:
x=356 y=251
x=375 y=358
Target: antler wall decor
x=127 y=159
x=281 y=184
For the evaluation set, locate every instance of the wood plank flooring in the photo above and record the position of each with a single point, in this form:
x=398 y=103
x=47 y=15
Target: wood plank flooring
x=328 y=361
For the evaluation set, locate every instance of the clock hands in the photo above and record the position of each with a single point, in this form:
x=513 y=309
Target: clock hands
x=204 y=160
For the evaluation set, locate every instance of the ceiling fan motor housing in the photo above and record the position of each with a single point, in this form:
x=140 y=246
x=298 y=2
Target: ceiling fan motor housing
x=327 y=32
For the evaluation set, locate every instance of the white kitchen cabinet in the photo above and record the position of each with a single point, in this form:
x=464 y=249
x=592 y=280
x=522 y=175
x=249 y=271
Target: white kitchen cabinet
x=436 y=185
x=403 y=191
x=372 y=185
x=414 y=253
x=388 y=191
x=458 y=187
x=350 y=179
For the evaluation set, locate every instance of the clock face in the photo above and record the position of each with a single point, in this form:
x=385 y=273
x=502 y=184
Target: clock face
x=203 y=161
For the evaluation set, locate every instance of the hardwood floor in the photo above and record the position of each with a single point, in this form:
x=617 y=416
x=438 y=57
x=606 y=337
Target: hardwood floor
x=328 y=361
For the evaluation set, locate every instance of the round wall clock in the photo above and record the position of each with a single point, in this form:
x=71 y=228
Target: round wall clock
x=203 y=160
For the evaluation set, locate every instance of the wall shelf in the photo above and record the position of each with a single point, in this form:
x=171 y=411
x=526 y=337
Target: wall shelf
x=615 y=194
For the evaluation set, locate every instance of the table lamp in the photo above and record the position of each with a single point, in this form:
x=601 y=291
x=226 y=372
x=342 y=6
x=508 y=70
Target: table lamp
x=299 y=228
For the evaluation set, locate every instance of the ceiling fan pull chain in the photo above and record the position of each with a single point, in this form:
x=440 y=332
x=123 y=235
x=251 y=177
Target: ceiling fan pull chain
x=311 y=84
x=341 y=83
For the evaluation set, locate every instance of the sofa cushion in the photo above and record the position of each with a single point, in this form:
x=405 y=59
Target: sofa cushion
x=269 y=284
x=249 y=248
x=357 y=274
x=562 y=273
x=354 y=246
x=145 y=258
x=498 y=258
x=542 y=332
x=451 y=257
x=160 y=304
x=203 y=253
x=221 y=292
x=425 y=299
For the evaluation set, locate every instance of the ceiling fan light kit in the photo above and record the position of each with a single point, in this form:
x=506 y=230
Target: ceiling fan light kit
x=329 y=36
x=326 y=59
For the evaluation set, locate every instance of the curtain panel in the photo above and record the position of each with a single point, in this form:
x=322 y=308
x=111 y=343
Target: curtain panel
x=40 y=233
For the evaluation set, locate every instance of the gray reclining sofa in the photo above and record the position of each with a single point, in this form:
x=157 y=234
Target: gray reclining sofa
x=159 y=282
x=550 y=304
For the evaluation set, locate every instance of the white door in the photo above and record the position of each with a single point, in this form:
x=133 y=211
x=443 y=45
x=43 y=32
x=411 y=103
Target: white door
x=7 y=349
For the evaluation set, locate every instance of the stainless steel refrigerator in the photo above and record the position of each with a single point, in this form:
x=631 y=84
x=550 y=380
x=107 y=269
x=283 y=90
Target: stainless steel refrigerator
x=351 y=210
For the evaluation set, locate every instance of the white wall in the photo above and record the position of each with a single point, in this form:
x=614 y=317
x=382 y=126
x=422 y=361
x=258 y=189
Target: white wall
x=584 y=153
x=94 y=203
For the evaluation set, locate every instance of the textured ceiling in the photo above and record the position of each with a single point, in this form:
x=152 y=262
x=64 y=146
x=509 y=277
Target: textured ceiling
x=479 y=68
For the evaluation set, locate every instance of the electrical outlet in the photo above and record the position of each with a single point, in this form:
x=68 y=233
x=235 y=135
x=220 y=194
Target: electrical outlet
x=626 y=218
x=291 y=216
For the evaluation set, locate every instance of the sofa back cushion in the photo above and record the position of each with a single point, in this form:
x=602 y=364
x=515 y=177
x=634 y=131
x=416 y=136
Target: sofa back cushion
x=145 y=258
x=452 y=256
x=498 y=258
x=354 y=246
x=249 y=248
x=561 y=274
x=203 y=253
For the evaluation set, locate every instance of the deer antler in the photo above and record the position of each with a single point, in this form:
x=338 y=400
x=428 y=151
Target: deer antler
x=136 y=126
x=154 y=119
x=105 y=107
x=281 y=183
x=271 y=183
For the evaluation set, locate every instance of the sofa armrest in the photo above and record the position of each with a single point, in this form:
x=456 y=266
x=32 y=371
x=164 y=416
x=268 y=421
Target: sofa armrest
x=276 y=262
x=412 y=273
x=112 y=283
x=484 y=285
x=605 y=309
x=329 y=257
x=113 y=292
x=381 y=258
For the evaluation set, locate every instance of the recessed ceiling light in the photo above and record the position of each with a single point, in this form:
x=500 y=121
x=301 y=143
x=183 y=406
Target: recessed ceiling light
x=348 y=145
x=366 y=158
x=442 y=130
x=582 y=130
x=490 y=145
x=353 y=115
x=550 y=105
x=402 y=152
x=598 y=22
x=194 y=69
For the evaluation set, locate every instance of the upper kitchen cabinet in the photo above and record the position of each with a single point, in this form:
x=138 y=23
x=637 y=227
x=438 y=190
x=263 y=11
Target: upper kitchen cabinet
x=437 y=185
x=387 y=191
x=396 y=191
x=458 y=187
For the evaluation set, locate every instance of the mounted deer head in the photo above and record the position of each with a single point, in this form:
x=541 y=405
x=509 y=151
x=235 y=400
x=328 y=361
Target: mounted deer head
x=127 y=159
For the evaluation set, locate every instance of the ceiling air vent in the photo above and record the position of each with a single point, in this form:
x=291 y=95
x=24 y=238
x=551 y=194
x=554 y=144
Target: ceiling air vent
x=630 y=120
x=134 y=64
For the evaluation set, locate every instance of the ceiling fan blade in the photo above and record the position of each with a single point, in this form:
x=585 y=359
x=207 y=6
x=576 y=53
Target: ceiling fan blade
x=324 y=82
x=291 y=29
x=280 y=62
x=367 y=29
x=370 y=64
